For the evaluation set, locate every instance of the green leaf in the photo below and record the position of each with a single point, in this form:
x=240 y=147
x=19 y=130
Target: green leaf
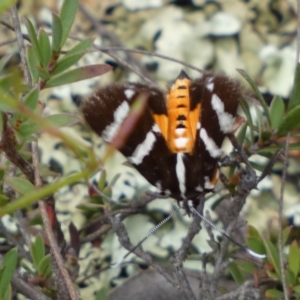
x=29 y=126
x=102 y=293
x=32 y=63
x=277 y=109
x=80 y=47
x=78 y=74
x=7 y=102
x=295 y=96
x=32 y=98
x=10 y=263
x=114 y=180
x=297 y=289
x=67 y=16
x=6 y=4
x=60 y=120
x=291 y=122
x=44 y=266
x=44 y=191
x=257 y=92
x=57 y=32
x=102 y=180
x=253 y=232
x=37 y=250
x=20 y=185
x=34 y=41
x=3 y=200
x=246 y=266
x=71 y=57
x=43 y=73
x=45 y=48
x=272 y=293
x=294 y=259
x=236 y=274
x=245 y=106
x=66 y=63
x=256 y=245
x=285 y=234
x=8 y=293
x=4 y=60
x=273 y=256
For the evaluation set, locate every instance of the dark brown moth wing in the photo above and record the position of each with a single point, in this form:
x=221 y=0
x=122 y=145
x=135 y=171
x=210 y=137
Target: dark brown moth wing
x=145 y=148
x=220 y=97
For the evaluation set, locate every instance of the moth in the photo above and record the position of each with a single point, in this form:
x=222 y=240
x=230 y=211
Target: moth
x=176 y=143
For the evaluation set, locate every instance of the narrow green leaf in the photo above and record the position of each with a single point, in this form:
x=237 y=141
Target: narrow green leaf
x=102 y=180
x=272 y=293
x=7 y=102
x=253 y=232
x=277 y=109
x=57 y=32
x=285 y=233
x=34 y=41
x=246 y=266
x=20 y=185
x=6 y=4
x=80 y=47
x=294 y=259
x=240 y=138
x=66 y=63
x=60 y=120
x=4 y=60
x=295 y=96
x=72 y=57
x=114 y=180
x=67 y=16
x=44 y=267
x=258 y=94
x=45 y=47
x=37 y=250
x=44 y=191
x=245 y=106
x=291 y=122
x=32 y=63
x=273 y=256
x=10 y=263
x=32 y=98
x=236 y=274
x=8 y=293
x=43 y=73
x=256 y=245
x=102 y=293
x=78 y=75
x=28 y=127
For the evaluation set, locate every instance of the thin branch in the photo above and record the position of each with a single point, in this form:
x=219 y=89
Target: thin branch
x=53 y=245
x=17 y=28
x=280 y=212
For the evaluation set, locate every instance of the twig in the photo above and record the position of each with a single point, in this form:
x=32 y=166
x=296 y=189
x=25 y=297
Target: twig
x=17 y=28
x=280 y=212
x=243 y=292
x=53 y=245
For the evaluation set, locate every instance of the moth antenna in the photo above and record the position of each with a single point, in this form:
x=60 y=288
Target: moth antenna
x=149 y=233
x=252 y=253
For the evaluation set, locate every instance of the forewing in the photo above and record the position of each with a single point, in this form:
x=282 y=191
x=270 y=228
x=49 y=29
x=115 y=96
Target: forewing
x=145 y=148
